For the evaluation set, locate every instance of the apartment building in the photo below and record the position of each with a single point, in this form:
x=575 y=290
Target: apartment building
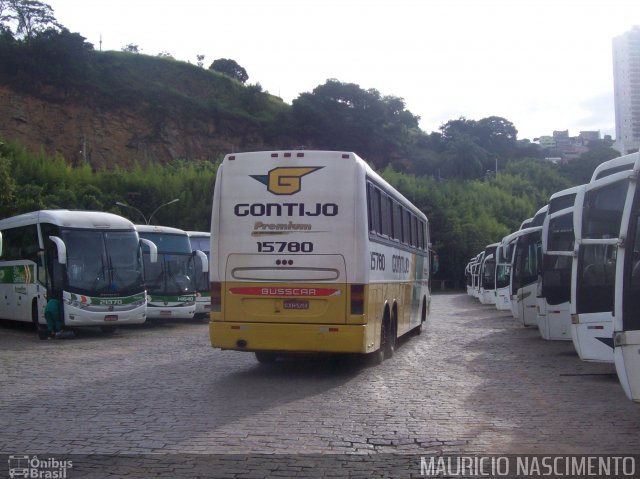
x=626 y=86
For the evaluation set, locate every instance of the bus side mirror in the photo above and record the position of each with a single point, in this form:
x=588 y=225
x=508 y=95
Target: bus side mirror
x=203 y=259
x=153 y=249
x=62 y=249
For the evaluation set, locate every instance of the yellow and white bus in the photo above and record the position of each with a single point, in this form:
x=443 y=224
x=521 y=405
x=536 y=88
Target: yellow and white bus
x=91 y=261
x=314 y=252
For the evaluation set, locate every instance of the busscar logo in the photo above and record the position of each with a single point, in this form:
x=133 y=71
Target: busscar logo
x=285 y=180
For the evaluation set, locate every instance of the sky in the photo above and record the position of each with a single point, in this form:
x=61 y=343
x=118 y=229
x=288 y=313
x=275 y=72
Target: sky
x=544 y=65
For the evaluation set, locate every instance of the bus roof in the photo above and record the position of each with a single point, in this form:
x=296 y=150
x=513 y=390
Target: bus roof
x=567 y=192
x=622 y=163
x=71 y=219
x=538 y=219
x=563 y=200
x=338 y=156
x=516 y=234
x=490 y=248
x=526 y=223
x=160 y=229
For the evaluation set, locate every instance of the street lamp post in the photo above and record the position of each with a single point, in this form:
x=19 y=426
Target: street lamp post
x=175 y=200
x=147 y=221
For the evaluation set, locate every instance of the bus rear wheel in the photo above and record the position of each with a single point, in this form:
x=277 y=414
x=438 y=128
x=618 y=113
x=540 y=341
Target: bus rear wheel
x=264 y=357
x=390 y=339
x=387 y=342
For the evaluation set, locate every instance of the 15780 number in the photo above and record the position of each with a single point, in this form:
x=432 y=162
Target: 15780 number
x=285 y=247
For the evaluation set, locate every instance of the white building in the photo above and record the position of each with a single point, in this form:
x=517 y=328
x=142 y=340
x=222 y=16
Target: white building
x=626 y=86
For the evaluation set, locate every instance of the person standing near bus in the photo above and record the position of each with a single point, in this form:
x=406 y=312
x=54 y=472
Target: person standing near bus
x=52 y=315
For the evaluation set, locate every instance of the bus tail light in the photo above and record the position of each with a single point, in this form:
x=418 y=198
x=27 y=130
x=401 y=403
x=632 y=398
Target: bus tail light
x=357 y=299
x=216 y=297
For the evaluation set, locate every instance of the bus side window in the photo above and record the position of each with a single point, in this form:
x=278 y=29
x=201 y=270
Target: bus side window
x=397 y=222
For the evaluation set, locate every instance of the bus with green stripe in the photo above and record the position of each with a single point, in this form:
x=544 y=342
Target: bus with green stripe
x=91 y=261
x=201 y=240
x=171 y=281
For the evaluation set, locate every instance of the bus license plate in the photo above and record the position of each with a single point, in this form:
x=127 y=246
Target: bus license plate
x=165 y=313
x=111 y=317
x=296 y=304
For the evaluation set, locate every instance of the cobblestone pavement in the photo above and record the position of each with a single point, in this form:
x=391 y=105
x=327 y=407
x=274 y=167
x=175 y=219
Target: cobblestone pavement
x=473 y=382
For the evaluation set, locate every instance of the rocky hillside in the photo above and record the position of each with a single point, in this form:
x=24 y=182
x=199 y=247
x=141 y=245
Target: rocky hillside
x=82 y=132
x=122 y=108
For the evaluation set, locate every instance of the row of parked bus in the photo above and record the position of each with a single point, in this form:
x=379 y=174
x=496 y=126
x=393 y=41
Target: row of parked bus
x=105 y=270
x=313 y=252
x=573 y=270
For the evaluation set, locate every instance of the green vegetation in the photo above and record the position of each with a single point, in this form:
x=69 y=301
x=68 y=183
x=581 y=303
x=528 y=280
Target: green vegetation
x=450 y=174
x=33 y=182
x=464 y=215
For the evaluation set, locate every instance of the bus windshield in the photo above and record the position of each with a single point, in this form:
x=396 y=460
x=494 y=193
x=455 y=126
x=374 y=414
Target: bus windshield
x=560 y=235
x=201 y=243
x=103 y=262
x=603 y=211
x=170 y=275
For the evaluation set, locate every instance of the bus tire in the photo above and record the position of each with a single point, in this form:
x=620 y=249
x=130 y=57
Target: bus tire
x=423 y=317
x=390 y=340
x=265 y=357
x=378 y=356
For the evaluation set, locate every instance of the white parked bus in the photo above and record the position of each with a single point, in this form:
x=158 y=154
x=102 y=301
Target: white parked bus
x=554 y=287
x=468 y=276
x=526 y=260
x=626 y=322
x=475 y=275
x=201 y=240
x=504 y=255
x=89 y=260
x=597 y=222
x=488 y=275
x=314 y=252
x=170 y=281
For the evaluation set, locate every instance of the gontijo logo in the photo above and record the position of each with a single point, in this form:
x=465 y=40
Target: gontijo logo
x=285 y=180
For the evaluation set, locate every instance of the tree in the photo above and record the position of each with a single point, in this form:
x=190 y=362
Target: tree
x=5 y=14
x=230 y=68
x=131 y=48
x=463 y=158
x=7 y=185
x=29 y=17
x=344 y=116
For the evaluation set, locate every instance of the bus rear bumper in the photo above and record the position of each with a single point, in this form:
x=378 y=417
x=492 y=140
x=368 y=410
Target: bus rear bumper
x=287 y=337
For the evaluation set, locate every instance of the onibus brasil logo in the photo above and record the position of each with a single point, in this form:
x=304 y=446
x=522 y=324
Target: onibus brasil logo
x=285 y=180
x=35 y=467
